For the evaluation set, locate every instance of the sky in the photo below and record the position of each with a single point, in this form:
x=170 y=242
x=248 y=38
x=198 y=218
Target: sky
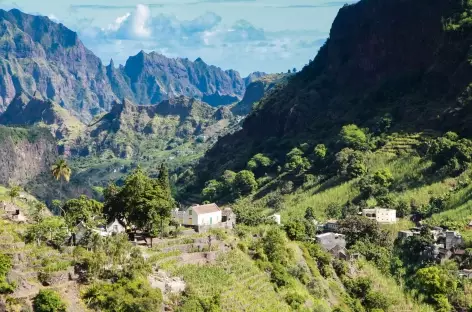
x=245 y=35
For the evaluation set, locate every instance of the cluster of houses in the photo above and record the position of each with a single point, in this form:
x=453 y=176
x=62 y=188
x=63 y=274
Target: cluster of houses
x=448 y=244
x=335 y=243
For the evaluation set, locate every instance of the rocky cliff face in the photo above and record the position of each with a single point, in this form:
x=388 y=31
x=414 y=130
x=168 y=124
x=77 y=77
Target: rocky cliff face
x=256 y=90
x=37 y=54
x=25 y=154
x=367 y=68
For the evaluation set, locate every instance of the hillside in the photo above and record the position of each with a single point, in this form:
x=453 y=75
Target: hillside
x=37 y=54
x=162 y=127
x=25 y=154
x=25 y=111
x=421 y=81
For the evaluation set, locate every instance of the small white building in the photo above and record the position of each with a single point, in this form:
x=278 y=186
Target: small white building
x=381 y=215
x=199 y=215
x=276 y=217
x=115 y=227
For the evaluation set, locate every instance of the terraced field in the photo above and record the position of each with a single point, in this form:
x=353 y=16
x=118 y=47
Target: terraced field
x=404 y=144
x=229 y=273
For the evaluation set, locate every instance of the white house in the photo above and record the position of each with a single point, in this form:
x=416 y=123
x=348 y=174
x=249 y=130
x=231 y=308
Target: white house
x=276 y=217
x=115 y=227
x=209 y=214
x=381 y=215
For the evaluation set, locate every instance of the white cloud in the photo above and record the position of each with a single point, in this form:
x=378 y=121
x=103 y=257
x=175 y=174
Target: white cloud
x=240 y=45
x=135 y=25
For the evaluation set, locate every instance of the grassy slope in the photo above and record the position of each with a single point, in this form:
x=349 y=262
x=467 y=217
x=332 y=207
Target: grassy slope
x=407 y=171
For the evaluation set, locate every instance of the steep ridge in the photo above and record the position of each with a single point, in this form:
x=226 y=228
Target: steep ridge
x=255 y=91
x=37 y=54
x=128 y=127
x=366 y=69
x=26 y=111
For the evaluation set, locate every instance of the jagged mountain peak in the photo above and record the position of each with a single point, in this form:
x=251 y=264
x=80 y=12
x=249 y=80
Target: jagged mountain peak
x=50 y=59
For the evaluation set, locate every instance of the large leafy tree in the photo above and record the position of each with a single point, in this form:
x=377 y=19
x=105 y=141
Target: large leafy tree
x=245 y=183
x=353 y=136
x=83 y=209
x=61 y=171
x=359 y=228
x=142 y=201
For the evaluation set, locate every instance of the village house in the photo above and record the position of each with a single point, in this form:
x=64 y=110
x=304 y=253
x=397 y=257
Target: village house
x=447 y=244
x=199 y=215
x=331 y=226
x=204 y=217
x=13 y=212
x=381 y=215
x=335 y=244
x=112 y=228
x=228 y=217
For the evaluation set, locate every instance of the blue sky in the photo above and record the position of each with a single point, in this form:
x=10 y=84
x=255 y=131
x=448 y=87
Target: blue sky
x=246 y=35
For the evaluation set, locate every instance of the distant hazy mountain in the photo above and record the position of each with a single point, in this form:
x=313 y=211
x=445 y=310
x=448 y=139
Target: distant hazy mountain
x=37 y=54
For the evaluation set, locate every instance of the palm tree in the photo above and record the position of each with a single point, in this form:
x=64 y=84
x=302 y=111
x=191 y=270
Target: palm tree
x=61 y=171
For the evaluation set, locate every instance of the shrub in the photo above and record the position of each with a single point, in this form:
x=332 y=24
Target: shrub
x=48 y=301
x=295 y=230
x=295 y=300
x=279 y=275
x=350 y=163
x=287 y=187
x=296 y=161
x=130 y=295
x=358 y=287
x=334 y=211
x=376 y=301
x=5 y=266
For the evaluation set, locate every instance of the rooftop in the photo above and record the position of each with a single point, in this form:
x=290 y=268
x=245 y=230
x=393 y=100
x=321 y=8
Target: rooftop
x=209 y=208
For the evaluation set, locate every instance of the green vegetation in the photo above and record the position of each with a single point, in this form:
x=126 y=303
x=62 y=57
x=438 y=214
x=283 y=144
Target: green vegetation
x=123 y=296
x=48 y=301
x=5 y=266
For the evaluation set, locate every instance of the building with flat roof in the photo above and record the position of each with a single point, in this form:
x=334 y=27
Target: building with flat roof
x=381 y=215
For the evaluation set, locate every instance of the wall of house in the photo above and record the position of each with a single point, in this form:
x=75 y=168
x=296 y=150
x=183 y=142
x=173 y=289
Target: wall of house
x=386 y=215
x=204 y=219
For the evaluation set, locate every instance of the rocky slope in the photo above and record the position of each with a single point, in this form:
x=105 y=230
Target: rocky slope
x=130 y=129
x=25 y=154
x=255 y=91
x=367 y=68
x=26 y=111
x=37 y=54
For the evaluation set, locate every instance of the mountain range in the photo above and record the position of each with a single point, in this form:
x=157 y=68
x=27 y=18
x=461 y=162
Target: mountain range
x=38 y=55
